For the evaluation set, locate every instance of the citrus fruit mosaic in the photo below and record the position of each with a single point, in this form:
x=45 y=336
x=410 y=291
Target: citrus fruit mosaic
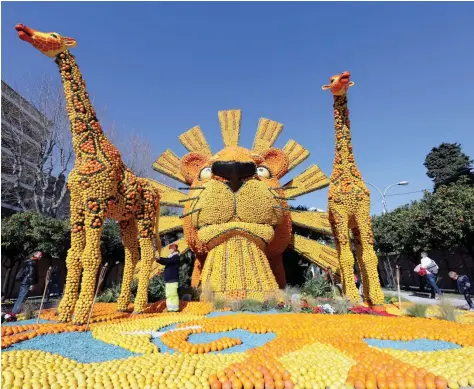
x=197 y=348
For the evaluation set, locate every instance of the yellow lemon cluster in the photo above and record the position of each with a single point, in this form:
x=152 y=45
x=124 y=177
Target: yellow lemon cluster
x=320 y=351
x=126 y=334
x=101 y=187
x=349 y=206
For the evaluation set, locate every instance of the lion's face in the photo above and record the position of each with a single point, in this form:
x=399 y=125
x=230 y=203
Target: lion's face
x=236 y=191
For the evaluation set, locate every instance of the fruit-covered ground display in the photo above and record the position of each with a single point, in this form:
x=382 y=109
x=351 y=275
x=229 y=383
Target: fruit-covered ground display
x=197 y=348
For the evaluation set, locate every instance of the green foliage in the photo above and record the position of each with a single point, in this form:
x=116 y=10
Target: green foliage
x=317 y=287
x=23 y=233
x=398 y=231
x=441 y=220
x=341 y=305
x=447 y=311
x=156 y=289
x=219 y=303
x=110 y=295
x=196 y=294
x=417 y=310
x=449 y=216
x=28 y=310
x=447 y=163
x=271 y=303
x=252 y=305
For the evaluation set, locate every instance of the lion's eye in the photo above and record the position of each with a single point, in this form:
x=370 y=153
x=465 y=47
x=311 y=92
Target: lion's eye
x=205 y=173
x=263 y=172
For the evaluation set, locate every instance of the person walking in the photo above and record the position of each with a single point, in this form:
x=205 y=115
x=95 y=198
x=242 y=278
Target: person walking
x=429 y=269
x=171 y=265
x=28 y=277
x=53 y=284
x=464 y=287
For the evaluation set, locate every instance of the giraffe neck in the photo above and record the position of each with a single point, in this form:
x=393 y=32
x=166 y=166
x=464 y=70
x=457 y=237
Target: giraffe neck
x=85 y=126
x=342 y=126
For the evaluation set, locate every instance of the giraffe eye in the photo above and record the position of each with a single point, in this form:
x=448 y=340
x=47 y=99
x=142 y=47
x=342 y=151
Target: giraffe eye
x=54 y=35
x=332 y=80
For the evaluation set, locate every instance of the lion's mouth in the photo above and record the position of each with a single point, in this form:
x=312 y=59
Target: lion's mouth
x=209 y=233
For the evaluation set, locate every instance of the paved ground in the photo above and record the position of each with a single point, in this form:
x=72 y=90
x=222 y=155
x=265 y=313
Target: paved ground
x=422 y=298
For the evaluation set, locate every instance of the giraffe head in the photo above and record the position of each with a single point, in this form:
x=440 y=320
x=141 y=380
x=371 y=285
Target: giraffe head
x=339 y=84
x=49 y=43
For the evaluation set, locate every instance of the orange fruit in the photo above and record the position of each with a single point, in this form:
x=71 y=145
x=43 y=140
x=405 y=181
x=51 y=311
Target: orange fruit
x=359 y=384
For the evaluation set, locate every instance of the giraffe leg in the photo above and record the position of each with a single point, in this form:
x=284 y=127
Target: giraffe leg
x=73 y=260
x=91 y=259
x=358 y=245
x=129 y=232
x=147 y=258
x=339 y=224
x=368 y=259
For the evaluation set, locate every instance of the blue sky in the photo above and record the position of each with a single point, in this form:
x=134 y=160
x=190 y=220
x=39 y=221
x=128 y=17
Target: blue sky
x=161 y=68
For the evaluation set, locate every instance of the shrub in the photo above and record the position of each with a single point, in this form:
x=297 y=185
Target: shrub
x=271 y=303
x=342 y=305
x=317 y=287
x=219 y=303
x=417 y=310
x=110 y=295
x=156 y=289
x=296 y=305
x=196 y=293
x=252 y=305
x=447 y=311
x=234 y=305
x=288 y=292
x=207 y=295
x=28 y=310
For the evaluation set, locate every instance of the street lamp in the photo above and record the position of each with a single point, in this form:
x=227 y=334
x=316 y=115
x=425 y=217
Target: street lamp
x=384 y=202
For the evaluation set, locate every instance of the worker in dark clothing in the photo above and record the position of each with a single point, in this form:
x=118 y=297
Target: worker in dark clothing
x=464 y=287
x=53 y=284
x=171 y=265
x=28 y=277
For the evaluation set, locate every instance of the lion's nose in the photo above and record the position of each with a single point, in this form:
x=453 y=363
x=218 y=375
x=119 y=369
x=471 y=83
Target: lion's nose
x=234 y=172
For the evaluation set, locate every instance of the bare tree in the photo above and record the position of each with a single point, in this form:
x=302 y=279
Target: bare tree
x=37 y=150
x=134 y=148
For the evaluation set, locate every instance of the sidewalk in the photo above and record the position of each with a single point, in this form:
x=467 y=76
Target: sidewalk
x=422 y=298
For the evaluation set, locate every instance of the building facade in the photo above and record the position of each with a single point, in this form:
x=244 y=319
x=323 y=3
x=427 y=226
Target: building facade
x=25 y=132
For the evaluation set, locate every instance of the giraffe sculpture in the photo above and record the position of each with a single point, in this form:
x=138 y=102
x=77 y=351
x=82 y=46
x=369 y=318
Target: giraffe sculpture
x=101 y=186
x=349 y=204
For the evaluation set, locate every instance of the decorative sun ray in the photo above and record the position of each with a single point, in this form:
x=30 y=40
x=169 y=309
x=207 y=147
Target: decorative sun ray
x=316 y=221
x=169 y=196
x=317 y=253
x=267 y=133
x=310 y=180
x=156 y=268
x=194 y=140
x=170 y=224
x=230 y=126
x=168 y=164
x=296 y=153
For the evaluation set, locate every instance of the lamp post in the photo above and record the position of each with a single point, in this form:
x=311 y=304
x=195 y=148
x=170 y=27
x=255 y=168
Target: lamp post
x=384 y=202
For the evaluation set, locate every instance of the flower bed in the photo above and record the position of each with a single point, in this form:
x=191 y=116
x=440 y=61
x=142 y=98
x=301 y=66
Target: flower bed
x=241 y=350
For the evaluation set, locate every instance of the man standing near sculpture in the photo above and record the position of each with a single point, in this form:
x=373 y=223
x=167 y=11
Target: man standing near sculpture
x=171 y=265
x=28 y=277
